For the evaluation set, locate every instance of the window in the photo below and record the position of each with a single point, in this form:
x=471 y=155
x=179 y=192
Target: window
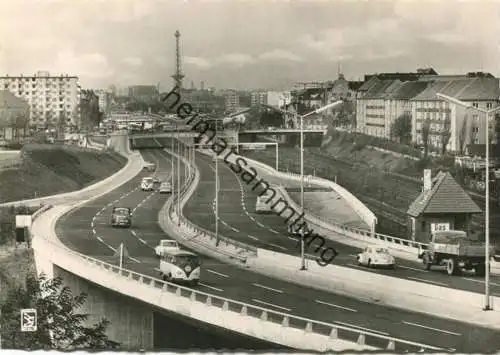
x=422 y=224
x=475 y=104
x=489 y=105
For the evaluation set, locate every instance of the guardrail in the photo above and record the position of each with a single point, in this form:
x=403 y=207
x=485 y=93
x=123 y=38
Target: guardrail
x=75 y=262
x=363 y=211
x=195 y=229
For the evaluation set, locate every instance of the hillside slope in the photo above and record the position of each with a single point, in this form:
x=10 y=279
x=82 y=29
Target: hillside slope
x=52 y=169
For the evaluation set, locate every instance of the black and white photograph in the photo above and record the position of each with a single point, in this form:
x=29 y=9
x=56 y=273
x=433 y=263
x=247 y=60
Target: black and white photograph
x=221 y=176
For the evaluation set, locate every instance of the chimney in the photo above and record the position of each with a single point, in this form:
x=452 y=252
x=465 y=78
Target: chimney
x=427 y=180
x=202 y=85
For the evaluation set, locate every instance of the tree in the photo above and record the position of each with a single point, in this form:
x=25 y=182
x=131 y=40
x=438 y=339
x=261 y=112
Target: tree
x=401 y=128
x=89 y=109
x=472 y=135
x=462 y=135
x=60 y=326
x=61 y=125
x=426 y=129
x=445 y=134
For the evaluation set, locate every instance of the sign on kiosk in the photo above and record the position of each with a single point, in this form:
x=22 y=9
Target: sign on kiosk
x=440 y=227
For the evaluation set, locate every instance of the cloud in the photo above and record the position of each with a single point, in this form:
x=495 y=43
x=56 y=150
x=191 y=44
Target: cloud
x=199 y=62
x=236 y=59
x=92 y=65
x=280 y=54
x=133 y=61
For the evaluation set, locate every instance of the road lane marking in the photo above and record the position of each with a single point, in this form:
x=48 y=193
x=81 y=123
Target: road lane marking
x=252 y=237
x=210 y=287
x=411 y=268
x=294 y=239
x=133 y=233
x=100 y=239
x=217 y=273
x=93 y=231
x=260 y=224
x=336 y=306
x=235 y=229
x=362 y=328
x=267 y=288
x=274 y=231
x=270 y=304
x=431 y=328
x=424 y=280
x=278 y=246
x=480 y=281
x=142 y=241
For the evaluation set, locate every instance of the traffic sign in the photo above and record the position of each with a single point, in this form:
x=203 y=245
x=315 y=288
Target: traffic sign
x=28 y=320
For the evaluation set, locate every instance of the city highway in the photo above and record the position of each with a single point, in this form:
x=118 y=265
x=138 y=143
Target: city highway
x=75 y=230
x=239 y=221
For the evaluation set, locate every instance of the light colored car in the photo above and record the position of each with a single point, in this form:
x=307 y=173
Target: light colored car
x=375 y=256
x=147 y=184
x=165 y=246
x=165 y=188
x=148 y=166
x=262 y=206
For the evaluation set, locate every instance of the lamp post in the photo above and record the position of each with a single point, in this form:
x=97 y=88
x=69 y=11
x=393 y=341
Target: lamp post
x=321 y=109
x=178 y=178
x=217 y=239
x=487 y=305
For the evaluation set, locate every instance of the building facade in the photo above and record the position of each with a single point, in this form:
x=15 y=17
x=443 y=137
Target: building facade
x=258 y=98
x=463 y=126
x=50 y=97
x=14 y=116
x=142 y=92
x=231 y=101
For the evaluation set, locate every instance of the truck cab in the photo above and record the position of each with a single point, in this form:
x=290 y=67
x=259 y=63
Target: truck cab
x=166 y=246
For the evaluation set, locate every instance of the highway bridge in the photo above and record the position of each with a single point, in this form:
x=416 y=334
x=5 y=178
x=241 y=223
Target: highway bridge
x=87 y=230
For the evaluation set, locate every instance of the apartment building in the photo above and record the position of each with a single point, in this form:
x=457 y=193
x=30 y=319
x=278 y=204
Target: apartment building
x=104 y=99
x=49 y=96
x=370 y=108
x=258 y=98
x=465 y=126
x=14 y=116
x=231 y=101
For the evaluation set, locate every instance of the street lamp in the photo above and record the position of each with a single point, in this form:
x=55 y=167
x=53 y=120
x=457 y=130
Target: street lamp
x=487 y=306
x=178 y=178
x=217 y=239
x=321 y=109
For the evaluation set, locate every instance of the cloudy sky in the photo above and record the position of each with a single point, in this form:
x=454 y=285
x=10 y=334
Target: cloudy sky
x=245 y=44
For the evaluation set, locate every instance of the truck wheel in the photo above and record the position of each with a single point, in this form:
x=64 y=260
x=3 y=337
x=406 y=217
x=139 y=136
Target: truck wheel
x=452 y=268
x=480 y=270
x=426 y=262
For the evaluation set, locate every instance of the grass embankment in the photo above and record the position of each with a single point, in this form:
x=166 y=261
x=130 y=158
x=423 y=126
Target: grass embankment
x=384 y=182
x=45 y=170
x=50 y=169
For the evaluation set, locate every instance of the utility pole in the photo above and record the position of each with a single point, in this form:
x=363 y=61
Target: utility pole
x=216 y=191
x=178 y=178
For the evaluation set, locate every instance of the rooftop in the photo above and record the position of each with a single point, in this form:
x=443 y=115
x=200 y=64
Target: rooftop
x=467 y=89
x=408 y=90
x=382 y=89
x=445 y=196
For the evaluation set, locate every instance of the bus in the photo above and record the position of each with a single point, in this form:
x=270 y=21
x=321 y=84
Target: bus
x=180 y=266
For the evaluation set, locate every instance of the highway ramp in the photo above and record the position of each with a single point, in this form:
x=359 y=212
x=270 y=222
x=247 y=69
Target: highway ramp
x=232 y=282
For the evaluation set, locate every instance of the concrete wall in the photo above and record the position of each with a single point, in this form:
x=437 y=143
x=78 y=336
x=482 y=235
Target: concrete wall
x=131 y=322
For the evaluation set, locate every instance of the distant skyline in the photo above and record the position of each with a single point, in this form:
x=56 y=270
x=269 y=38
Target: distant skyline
x=245 y=45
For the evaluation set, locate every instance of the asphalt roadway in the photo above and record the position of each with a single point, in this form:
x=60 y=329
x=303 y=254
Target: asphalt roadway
x=76 y=230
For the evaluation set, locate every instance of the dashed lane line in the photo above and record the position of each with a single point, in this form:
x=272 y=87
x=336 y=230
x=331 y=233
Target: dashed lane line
x=217 y=273
x=428 y=281
x=271 y=305
x=210 y=287
x=336 y=306
x=142 y=241
x=252 y=237
x=267 y=288
x=278 y=246
x=480 y=281
x=431 y=328
x=411 y=268
x=359 y=327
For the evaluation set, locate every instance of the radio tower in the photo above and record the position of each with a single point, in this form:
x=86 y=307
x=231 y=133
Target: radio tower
x=178 y=76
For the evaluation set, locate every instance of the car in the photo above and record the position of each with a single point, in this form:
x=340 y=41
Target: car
x=375 y=256
x=262 y=206
x=165 y=188
x=147 y=184
x=166 y=245
x=156 y=180
x=121 y=217
x=149 y=166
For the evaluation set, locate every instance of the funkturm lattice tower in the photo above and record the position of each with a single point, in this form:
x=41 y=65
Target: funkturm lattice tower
x=178 y=76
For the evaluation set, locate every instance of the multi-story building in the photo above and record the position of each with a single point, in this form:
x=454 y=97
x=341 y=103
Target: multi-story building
x=231 y=101
x=14 y=116
x=50 y=97
x=463 y=126
x=258 y=98
x=142 y=92
x=104 y=100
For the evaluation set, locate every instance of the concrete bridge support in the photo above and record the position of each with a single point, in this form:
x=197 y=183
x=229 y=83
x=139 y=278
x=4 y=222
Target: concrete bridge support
x=131 y=323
